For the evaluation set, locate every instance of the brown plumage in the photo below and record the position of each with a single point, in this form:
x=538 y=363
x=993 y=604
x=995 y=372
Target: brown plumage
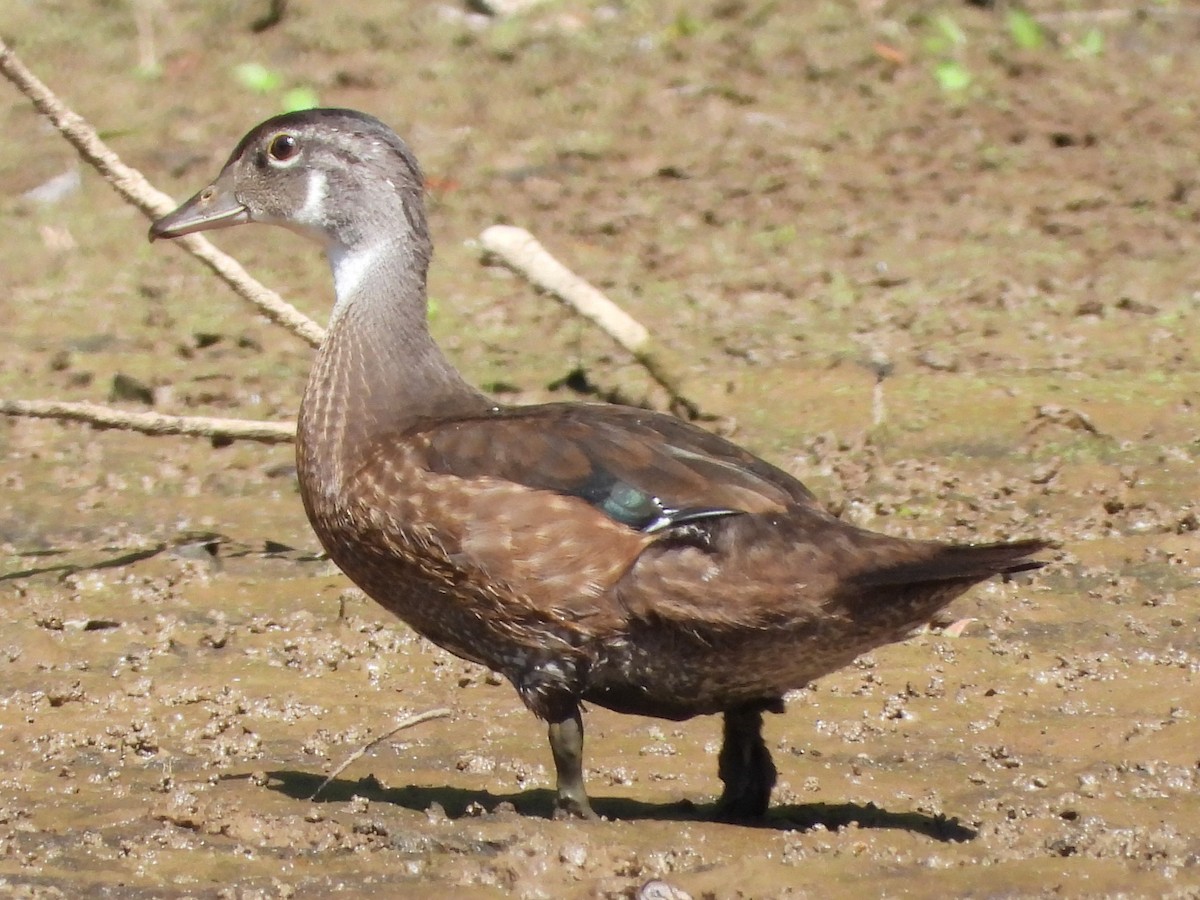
x=588 y=553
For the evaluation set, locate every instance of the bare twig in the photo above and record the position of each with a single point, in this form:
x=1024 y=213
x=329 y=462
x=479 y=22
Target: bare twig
x=152 y=423
x=440 y=713
x=133 y=186
x=515 y=246
x=521 y=252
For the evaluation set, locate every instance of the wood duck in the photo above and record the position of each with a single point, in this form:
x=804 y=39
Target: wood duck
x=589 y=553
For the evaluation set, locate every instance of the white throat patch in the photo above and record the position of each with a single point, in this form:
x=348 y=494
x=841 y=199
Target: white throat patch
x=349 y=267
x=311 y=213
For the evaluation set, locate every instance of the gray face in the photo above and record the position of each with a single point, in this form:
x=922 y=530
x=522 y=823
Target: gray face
x=338 y=177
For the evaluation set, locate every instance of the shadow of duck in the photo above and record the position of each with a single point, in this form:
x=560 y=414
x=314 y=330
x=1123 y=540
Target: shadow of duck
x=459 y=802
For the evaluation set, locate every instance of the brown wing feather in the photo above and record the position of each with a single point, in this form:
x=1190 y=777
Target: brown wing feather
x=566 y=448
x=499 y=498
x=532 y=554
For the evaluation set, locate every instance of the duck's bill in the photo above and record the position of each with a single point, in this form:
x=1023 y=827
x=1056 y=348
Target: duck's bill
x=214 y=207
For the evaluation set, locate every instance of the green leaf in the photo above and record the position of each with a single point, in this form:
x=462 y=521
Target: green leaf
x=951 y=76
x=949 y=31
x=256 y=77
x=1026 y=32
x=1089 y=46
x=685 y=26
x=300 y=98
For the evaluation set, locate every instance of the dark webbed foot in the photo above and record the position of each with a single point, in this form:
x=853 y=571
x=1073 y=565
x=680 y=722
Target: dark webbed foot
x=745 y=767
x=566 y=743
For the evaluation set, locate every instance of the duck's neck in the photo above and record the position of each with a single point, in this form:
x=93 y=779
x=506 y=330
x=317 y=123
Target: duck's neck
x=378 y=370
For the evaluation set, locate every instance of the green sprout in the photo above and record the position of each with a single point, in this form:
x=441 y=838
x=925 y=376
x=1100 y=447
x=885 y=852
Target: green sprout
x=952 y=76
x=261 y=80
x=1026 y=32
x=947 y=35
x=300 y=98
x=1089 y=46
x=257 y=77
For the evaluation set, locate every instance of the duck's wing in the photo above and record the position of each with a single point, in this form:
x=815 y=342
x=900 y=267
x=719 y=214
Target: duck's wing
x=643 y=470
x=545 y=509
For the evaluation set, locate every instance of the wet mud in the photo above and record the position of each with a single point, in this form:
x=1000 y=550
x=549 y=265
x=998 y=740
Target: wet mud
x=968 y=314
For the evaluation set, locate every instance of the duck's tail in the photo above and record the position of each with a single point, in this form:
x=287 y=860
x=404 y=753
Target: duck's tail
x=956 y=563
x=910 y=585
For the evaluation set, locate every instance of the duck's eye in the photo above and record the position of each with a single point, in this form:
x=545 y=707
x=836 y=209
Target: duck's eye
x=283 y=147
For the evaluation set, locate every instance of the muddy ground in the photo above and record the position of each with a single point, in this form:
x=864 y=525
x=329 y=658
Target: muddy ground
x=797 y=204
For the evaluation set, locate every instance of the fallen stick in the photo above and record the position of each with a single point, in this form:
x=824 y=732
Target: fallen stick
x=152 y=423
x=516 y=247
x=135 y=188
x=521 y=252
x=439 y=713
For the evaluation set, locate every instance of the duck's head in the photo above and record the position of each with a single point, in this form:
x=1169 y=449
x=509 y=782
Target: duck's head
x=340 y=177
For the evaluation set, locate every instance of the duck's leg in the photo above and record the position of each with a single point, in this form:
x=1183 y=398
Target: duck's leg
x=745 y=766
x=566 y=743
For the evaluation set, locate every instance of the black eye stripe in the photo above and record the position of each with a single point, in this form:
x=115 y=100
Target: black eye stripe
x=283 y=147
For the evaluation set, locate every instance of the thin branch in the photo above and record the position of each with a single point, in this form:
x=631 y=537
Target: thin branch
x=440 y=713
x=521 y=252
x=152 y=423
x=133 y=186
x=514 y=246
